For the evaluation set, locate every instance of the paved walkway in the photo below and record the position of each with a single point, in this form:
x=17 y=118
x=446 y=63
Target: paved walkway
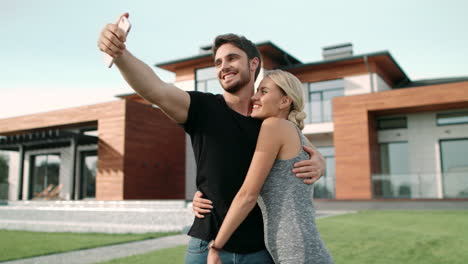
x=106 y=253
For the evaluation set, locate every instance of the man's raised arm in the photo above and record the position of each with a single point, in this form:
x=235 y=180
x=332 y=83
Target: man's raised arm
x=173 y=101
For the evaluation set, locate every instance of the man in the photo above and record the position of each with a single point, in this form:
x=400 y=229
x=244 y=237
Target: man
x=223 y=137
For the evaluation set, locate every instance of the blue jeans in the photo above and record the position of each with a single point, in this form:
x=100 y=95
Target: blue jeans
x=197 y=252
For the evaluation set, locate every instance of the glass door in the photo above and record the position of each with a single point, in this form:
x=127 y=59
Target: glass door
x=454 y=158
x=325 y=187
x=88 y=170
x=45 y=176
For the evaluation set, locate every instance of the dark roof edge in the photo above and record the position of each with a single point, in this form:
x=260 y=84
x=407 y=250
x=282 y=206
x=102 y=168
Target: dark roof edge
x=200 y=56
x=360 y=56
x=435 y=81
x=278 y=48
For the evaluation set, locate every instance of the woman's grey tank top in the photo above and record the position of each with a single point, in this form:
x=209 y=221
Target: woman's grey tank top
x=291 y=235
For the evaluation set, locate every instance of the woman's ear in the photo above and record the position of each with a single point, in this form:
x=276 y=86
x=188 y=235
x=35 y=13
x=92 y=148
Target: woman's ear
x=286 y=101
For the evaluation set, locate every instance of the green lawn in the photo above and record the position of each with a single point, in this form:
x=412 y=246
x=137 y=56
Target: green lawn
x=429 y=237
x=166 y=256
x=414 y=237
x=22 y=244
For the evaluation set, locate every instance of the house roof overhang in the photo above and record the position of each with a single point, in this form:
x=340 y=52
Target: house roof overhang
x=381 y=62
x=44 y=139
x=267 y=49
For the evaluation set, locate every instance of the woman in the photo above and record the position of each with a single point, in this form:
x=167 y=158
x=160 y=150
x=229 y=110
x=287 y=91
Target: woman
x=288 y=215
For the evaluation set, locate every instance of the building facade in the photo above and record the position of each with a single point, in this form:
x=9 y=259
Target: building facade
x=383 y=136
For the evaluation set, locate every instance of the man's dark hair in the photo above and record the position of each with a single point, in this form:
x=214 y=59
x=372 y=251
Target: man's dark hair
x=242 y=43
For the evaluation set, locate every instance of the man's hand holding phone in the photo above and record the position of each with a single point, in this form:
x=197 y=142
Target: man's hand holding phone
x=112 y=39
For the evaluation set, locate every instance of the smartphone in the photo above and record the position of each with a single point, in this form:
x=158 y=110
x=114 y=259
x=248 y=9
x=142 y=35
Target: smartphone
x=124 y=25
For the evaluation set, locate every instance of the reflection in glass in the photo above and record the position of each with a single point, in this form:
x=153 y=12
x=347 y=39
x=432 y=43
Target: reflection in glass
x=201 y=86
x=213 y=86
x=4 y=171
x=394 y=180
x=320 y=97
x=205 y=73
x=325 y=187
x=327 y=104
x=45 y=175
x=207 y=81
x=452 y=118
x=392 y=123
x=88 y=175
x=316 y=108
x=454 y=155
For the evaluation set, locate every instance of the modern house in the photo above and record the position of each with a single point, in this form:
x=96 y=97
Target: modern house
x=383 y=135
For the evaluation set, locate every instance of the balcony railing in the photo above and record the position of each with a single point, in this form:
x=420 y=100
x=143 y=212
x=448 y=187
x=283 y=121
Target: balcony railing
x=421 y=185
x=455 y=184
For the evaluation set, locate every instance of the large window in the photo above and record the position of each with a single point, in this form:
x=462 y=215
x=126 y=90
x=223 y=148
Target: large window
x=454 y=156
x=319 y=96
x=325 y=186
x=45 y=176
x=385 y=123
x=88 y=174
x=394 y=180
x=454 y=118
x=207 y=81
x=4 y=169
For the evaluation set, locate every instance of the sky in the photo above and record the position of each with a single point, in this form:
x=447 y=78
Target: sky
x=49 y=58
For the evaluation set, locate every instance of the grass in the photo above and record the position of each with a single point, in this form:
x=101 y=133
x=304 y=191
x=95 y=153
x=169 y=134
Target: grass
x=23 y=244
x=429 y=237
x=167 y=256
x=383 y=237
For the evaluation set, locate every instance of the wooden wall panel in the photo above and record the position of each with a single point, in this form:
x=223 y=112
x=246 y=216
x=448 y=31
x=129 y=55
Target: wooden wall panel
x=355 y=131
x=111 y=131
x=59 y=118
x=327 y=72
x=187 y=73
x=154 y=155
x=351 y=140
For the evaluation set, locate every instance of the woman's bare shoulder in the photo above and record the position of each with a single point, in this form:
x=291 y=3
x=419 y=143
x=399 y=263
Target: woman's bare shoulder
x=279 y=126
x=275 y=122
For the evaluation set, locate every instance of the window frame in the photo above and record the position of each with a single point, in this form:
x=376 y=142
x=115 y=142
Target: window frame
x=442 y=160
x=448 y=113
x=330 y=154
x=197 y=88
x=82 y=188
x=32 y=166
x=392 y=118
x=327 y=86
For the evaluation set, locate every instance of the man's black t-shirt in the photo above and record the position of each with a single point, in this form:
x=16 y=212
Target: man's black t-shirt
x=224 y=143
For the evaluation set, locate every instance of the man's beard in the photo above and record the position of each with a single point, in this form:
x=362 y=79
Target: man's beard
x=243 y=80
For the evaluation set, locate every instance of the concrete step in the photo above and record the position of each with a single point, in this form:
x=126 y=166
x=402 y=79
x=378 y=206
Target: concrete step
x=156 y=204
x=107 y=217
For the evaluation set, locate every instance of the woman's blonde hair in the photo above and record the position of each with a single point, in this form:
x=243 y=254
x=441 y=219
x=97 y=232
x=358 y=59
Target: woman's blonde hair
x=292 y=87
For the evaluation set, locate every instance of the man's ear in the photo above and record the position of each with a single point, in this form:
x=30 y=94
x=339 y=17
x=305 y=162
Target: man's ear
x=254 y=64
